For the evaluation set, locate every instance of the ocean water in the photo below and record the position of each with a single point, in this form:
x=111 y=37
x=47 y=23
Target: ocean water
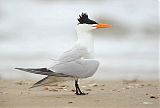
x=32 y=32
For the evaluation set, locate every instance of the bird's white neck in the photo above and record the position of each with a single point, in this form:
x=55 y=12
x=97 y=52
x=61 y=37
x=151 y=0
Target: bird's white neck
x=85 y=39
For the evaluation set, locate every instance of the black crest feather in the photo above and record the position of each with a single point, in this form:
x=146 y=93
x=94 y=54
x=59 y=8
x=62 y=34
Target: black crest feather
x=83 y=19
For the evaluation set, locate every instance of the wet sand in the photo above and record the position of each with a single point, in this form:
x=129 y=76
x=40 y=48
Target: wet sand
x=101 y=94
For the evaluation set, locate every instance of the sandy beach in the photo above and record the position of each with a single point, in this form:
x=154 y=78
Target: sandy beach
x=101 y=94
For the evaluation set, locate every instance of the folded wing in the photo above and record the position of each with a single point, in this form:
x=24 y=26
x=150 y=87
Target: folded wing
x=73 y=54
x=72 y=63
x=82 y=68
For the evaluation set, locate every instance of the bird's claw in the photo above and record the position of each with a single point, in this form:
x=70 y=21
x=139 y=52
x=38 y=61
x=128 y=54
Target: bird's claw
x=81 y=93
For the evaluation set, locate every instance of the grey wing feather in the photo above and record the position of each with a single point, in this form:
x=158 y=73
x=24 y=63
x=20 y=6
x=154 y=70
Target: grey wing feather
x=51 y=78
x=43 y=71
x=80 y=68
x=73 y=54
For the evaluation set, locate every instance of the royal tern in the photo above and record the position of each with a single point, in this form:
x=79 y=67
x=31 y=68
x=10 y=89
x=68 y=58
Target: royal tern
x=75 y=63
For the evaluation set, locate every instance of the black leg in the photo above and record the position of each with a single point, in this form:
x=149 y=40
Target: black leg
x=78 y=90
x=76 y=86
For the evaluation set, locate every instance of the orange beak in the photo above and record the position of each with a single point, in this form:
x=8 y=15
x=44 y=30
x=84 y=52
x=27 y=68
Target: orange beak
x=103 y=26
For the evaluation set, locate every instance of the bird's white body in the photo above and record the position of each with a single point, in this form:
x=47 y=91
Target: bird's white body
x=78 y=61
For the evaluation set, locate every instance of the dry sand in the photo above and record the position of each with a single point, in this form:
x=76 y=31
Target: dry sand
x=102 y=94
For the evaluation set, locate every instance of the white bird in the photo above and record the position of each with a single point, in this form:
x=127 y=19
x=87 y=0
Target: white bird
x=75 y=63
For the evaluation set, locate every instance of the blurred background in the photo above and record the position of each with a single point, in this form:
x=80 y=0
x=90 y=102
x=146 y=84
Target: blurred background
x=32 y=32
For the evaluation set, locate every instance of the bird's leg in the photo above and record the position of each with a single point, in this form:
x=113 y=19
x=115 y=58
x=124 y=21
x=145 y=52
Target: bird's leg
x=78 y=90
x=76 y=85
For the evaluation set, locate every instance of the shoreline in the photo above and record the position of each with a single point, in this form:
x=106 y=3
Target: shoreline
x=102 y=94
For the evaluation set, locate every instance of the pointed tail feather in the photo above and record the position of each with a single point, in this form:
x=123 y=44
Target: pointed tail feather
x=40 y=83
x=51 y=79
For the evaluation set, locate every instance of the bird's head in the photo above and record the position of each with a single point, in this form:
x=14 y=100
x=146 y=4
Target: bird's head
x=86 y=24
